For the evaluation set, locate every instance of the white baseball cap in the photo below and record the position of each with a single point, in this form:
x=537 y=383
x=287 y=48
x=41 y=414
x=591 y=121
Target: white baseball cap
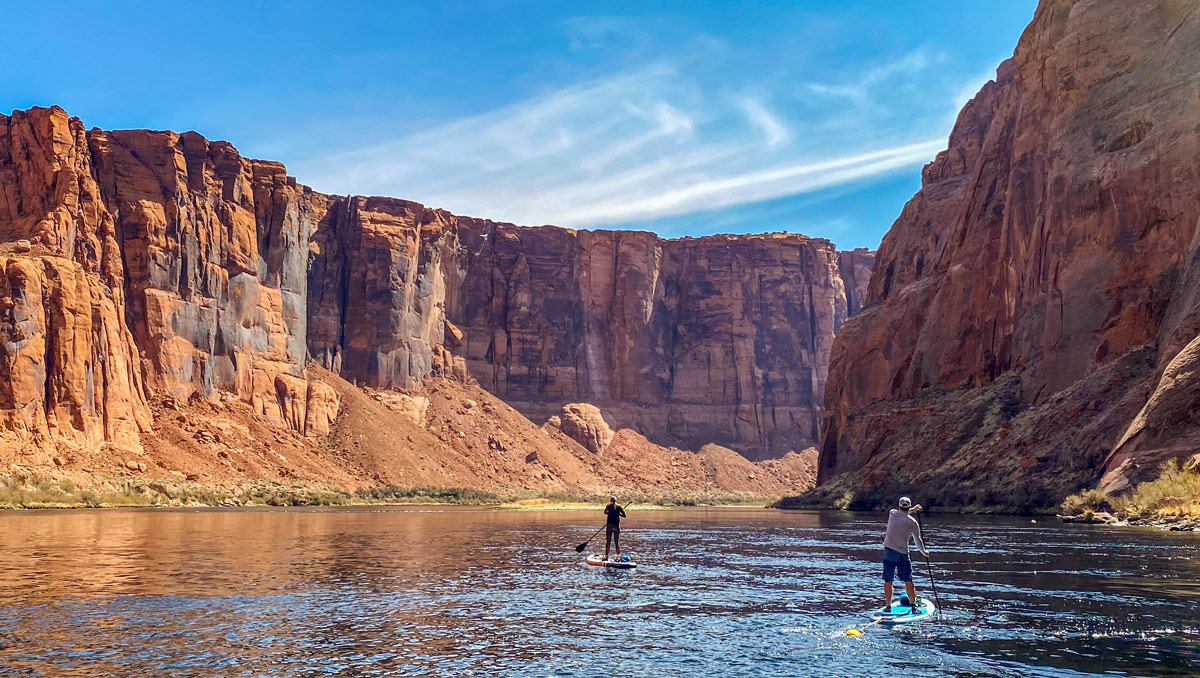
x=905 y=502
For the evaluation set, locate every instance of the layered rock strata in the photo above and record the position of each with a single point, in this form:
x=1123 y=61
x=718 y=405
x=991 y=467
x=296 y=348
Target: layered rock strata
x=155 y=262
x=719 y=339
x=149 y=265
x=1040 y=288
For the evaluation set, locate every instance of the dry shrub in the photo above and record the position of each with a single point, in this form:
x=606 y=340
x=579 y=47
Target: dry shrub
x=1175 y=492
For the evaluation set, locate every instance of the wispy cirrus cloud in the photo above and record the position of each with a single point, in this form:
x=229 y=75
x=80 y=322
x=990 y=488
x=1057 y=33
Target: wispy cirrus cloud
x=774 y=131
x=868 y=84
x=661 y=140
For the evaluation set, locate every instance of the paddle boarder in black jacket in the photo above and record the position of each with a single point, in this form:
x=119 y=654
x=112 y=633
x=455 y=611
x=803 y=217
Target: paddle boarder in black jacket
x=612 y=536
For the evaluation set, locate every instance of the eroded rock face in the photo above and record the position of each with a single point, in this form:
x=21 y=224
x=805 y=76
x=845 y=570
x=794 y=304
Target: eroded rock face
x=719 y=339
x=229 y=276
x=68 y=366
x=691 y=341
x=1050 y=242
x=1166 y=428
x=378 y=278
x=200 y=252
x=216 y=253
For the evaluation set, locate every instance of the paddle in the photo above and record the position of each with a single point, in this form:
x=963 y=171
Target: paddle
x=855 y=631
x=581 y=547
x=928 y=564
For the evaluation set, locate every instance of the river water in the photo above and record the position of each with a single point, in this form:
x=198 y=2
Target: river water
x=468 y=592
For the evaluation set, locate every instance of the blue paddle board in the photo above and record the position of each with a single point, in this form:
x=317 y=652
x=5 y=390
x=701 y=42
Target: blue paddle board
x=903 y=614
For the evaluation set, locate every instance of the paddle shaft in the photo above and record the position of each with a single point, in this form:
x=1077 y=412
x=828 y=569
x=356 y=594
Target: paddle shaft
x=867 y=626
x=581 y=547
x=929 y=565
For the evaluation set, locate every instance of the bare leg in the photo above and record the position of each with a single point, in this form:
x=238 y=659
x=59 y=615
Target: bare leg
x=887 y=595
x=911 y=590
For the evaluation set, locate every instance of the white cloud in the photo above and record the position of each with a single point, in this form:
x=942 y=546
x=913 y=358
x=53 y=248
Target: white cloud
x=774 y=131
x=753 y=186
x=653 y=142
x=861 y=88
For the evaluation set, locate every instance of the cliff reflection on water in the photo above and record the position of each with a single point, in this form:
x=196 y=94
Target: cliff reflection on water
x=477 y=592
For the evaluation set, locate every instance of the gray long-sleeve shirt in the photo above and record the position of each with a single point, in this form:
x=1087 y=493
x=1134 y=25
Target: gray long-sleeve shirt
x=901 y=529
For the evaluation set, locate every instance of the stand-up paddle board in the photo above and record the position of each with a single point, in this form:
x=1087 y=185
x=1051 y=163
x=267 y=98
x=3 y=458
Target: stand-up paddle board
x=599 y=561
x=903 y=614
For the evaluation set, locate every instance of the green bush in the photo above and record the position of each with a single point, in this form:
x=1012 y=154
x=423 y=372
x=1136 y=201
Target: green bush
x=275 y=494
x=419 y=495
x=1084 y=502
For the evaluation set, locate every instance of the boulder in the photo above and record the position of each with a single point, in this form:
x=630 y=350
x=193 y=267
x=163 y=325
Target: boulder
x=412 y=407
x=585 y=424
x=321 y=409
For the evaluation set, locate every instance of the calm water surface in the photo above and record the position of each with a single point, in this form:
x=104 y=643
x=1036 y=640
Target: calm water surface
x=462 y=592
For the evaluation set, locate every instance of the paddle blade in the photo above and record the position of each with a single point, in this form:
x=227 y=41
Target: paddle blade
x=581 y=547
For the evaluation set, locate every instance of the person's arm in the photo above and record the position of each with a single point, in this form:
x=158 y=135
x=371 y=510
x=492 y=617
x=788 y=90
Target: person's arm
x=917 y=535
x=622 y=510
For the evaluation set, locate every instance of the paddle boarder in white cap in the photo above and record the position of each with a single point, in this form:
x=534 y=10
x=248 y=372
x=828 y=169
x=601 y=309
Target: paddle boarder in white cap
x=902 y=527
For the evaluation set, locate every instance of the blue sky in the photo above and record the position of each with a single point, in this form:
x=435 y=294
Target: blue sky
x=685 y=118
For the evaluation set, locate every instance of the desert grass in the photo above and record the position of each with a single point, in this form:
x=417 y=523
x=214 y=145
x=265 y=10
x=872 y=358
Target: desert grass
x=1175 y=493
x=1085 y=503
x=391 y=494
x=38 y=491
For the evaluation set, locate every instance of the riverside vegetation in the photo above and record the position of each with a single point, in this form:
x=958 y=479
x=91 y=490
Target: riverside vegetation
x=1170 y=501
x=33 y=491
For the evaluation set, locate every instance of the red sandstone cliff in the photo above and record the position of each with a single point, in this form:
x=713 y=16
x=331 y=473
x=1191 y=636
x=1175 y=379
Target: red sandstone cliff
x=722 y=339
x=1041 y=288
x=149 y=271
x=171 y=264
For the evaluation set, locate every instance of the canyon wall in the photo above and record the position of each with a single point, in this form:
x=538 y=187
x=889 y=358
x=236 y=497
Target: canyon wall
x=1032 y=316
x=722 y=339
x=145 y=267
x=142 y=266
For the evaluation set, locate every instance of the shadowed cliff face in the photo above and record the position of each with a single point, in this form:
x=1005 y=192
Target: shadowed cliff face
x=1034 y=293
x=721 y=339
x=142 y=267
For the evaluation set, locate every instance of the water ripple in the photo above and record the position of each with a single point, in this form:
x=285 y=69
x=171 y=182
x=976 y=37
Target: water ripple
x=478 y=593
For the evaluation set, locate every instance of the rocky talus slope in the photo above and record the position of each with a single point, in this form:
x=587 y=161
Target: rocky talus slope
x=153 y=277
x=1033 y=317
